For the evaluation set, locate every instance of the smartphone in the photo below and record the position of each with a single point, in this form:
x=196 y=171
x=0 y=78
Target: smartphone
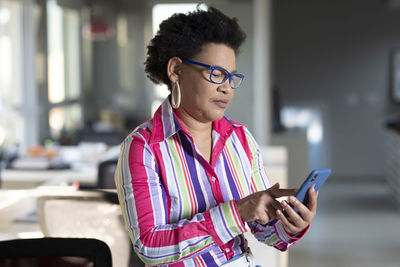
x=316 y=178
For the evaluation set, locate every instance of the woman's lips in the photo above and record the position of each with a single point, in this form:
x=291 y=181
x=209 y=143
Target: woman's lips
x=221 y=103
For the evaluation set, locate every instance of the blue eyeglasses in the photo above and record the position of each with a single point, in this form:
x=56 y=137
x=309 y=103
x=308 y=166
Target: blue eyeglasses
x=219 y=75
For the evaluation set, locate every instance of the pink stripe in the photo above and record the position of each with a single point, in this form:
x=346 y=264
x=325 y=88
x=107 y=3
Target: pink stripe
x=235 y=212
x=160 y=238
x=199 y=261
x=158 y=127
x=142 y=193
x=241 y=135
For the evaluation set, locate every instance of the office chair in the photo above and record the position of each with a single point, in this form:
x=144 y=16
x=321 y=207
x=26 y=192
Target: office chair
x=106 y=171
x=60 y=252
x=90 y=214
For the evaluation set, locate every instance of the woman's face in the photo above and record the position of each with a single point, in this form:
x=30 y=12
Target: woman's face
x=200 y=98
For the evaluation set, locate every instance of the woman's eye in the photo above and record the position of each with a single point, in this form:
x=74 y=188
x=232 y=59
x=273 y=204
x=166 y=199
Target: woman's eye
x=217 y=73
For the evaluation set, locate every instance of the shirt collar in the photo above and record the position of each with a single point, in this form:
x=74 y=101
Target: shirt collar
x=166 y=124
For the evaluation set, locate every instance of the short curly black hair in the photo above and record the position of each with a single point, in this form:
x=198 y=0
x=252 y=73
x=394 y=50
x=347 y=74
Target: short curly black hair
x=183 y=35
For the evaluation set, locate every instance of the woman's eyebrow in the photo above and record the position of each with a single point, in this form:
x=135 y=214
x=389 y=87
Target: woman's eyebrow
x=233 y=71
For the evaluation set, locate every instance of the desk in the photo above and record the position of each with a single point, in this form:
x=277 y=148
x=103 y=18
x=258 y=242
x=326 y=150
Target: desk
x=18 y=210
x=22 y=179
x=14 y=205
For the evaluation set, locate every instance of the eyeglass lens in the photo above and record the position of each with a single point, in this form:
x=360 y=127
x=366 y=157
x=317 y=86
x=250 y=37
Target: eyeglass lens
x=220 y=76
x=236 y=80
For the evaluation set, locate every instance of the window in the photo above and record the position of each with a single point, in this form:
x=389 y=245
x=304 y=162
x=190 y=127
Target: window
x=64 y=69
x=11 y=121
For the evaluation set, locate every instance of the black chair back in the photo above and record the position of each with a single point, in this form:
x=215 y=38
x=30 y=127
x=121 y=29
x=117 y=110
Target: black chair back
x=60 y=252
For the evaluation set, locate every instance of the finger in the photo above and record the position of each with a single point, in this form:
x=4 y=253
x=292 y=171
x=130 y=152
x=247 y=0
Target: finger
x=275 y=186
x=293 y=215
x=289 y=227
x=312 y=197
x=277 y=193
x=306 y=214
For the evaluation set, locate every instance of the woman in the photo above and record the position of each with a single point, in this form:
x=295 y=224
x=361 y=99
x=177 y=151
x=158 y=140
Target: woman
x=189 y=179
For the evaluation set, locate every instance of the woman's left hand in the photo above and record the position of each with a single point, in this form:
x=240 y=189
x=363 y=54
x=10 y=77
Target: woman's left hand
x=296 y=223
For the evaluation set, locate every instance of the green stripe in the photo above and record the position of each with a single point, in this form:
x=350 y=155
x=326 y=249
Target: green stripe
x=239 y=170
x=273 y=239
x=180 y=177
x=256 y=174
x=229 y=218
x=184 y=253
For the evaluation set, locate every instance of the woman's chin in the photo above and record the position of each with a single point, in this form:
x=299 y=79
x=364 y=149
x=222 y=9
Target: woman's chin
x=217 y=115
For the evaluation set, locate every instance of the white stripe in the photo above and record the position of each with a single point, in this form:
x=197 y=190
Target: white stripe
x=154 y=190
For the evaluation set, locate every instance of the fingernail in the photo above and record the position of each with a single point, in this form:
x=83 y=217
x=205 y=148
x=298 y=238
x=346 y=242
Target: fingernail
x=284 y=203
x=292 y=199
x=313 y=188
x=278 y=212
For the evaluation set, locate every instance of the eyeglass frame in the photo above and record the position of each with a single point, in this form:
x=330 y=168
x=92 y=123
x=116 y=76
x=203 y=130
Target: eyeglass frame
x=212 y=68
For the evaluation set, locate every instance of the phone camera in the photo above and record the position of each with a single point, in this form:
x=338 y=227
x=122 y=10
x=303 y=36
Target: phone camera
x=313 y=179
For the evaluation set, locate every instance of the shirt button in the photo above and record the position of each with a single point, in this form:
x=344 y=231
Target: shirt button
x=213 y=179
x=227 y=250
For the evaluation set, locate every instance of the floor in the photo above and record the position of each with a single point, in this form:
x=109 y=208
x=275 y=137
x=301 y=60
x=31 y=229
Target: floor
x=356 y=225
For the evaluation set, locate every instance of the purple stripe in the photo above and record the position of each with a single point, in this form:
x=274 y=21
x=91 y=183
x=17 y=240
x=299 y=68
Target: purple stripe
x=209 y=259
x=154 y=193
x=232 y=185
x=189 y=153
x=242 y=164
x=224 y=223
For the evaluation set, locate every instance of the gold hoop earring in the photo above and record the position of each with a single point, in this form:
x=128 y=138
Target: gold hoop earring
x=176 y=96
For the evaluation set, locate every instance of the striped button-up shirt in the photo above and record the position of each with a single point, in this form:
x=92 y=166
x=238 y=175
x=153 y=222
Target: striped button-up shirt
x=180 y=209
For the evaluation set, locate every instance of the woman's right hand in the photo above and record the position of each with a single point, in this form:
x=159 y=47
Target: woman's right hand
x=262 y=206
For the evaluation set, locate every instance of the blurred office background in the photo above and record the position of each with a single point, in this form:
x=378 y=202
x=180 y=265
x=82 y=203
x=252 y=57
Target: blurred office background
x=322 y=81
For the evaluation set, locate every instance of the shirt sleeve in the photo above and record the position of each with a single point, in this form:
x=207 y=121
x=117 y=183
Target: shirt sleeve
x=144 y=205
x=272 y=233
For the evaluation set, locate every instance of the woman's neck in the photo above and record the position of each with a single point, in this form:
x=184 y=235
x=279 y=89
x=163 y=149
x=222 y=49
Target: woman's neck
x=193 y=126
x=201 y=132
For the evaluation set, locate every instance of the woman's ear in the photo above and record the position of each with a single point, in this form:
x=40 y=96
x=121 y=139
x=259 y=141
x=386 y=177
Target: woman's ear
x=174 y=69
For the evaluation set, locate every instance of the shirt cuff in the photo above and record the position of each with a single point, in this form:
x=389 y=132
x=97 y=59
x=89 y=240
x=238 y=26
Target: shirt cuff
x=285 y=236
x=224 y=222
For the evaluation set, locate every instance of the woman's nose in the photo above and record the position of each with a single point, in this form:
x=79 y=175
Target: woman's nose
x=225 y=87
